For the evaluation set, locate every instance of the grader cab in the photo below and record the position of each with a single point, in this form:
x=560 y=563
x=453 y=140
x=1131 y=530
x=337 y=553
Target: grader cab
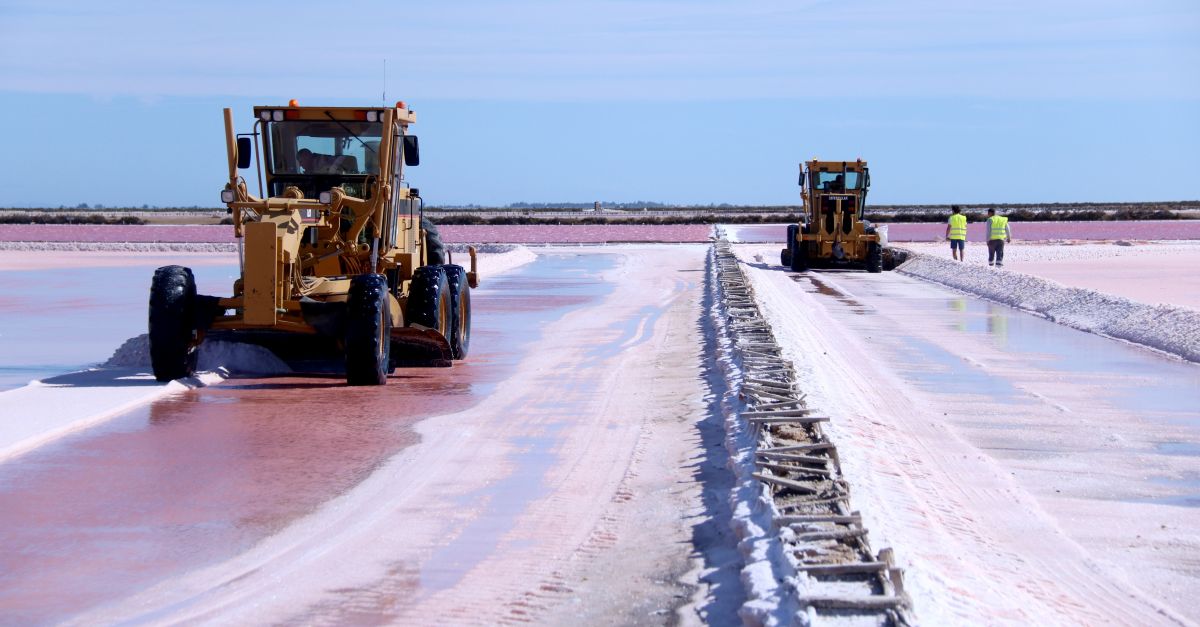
x=832 y=230
x=336 y=259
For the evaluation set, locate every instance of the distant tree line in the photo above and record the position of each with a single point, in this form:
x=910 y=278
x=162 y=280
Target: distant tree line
x=1033 y=215
x=85 y=207
x=761 y=218
x=1180 y=205
x=1019 y=215
x=69 y=218
x=637 y=204
x=658 y=213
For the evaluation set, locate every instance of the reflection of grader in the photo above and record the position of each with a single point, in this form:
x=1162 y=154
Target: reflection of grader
x=832 y=230
x=336 y=260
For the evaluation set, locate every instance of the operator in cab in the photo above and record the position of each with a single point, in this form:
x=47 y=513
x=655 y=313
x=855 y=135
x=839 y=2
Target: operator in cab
x=316 y=163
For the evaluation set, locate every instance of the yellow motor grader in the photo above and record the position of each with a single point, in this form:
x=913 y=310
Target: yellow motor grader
x=337 y=261
x=832 y=230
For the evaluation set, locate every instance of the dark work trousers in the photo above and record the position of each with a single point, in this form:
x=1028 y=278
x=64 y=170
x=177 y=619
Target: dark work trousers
x=996 y=252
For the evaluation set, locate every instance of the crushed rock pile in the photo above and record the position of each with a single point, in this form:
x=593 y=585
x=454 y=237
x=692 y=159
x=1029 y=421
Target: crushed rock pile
x=214 y=355
x=1171 y=329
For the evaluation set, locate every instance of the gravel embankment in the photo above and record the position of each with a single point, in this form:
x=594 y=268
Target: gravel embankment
x=1171 y=329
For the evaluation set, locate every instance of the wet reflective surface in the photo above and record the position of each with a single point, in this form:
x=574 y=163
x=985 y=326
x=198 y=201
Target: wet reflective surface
x=205 y=474
x=1028 y=389
x=60 y=320
x=504 y=501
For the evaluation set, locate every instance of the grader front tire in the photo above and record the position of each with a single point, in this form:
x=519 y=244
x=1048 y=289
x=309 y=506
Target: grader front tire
x=172 y=323
x=799 y=257
x=368 y=331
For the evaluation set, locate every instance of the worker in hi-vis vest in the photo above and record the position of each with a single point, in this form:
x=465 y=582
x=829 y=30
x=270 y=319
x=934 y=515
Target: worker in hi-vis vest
x=956 y=232
x=998 y=234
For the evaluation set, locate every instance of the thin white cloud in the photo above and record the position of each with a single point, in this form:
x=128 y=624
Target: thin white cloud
x=606 y=49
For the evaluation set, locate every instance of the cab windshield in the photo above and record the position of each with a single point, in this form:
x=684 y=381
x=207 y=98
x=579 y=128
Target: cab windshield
x=837 y=181
x=316 y=155
x=323 y=147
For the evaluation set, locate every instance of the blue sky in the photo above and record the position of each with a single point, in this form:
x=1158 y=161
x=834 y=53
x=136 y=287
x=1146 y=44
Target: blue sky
x=692 y=102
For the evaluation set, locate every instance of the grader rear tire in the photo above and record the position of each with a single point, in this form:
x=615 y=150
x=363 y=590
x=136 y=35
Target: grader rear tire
x=435 y=250
x=429 y=302
x=172 y=323
x=889 y=259
x=874 y=258
x=460 y=299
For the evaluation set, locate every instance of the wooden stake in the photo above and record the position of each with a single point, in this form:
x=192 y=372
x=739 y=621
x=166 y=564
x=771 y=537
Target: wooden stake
x=806 y=459
x=783 y=521
x=843 y=569
x=852 y=603
x=804 y=420
x=792 y=469
x=786 y=483
x=776 y=414
x=838 y=534
x=797 y=447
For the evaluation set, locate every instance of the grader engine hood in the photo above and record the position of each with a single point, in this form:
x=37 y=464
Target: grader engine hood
x=270 y=243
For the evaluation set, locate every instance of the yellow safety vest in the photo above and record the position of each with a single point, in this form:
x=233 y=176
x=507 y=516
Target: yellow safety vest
x=958 y=226
x=999 y=228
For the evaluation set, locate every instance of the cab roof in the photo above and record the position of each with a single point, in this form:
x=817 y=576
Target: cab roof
x=836 y=166
x=403 y=114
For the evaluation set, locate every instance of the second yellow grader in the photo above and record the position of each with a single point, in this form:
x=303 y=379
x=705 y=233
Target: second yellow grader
x=832 y=230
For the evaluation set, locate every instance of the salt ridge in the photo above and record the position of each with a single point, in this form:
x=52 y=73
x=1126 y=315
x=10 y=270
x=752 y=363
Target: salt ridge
x=1168 y=328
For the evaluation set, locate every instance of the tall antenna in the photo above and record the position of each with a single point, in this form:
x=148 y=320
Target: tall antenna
x=384 y=97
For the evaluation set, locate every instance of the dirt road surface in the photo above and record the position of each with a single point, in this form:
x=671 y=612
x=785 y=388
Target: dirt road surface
x=553 y=476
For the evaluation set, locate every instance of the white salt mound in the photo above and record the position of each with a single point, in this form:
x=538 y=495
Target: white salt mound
x=1168 y=328
x=232 y=356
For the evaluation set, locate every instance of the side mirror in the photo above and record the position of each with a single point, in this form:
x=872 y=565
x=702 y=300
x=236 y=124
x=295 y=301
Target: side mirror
x=244 y=150
x=801 y=183
x=412 y=150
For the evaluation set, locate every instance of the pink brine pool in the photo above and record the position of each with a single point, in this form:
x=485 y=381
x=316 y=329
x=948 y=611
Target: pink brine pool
x=923 y=232
x=512 y=234
x=106 y=233
x=605 y=233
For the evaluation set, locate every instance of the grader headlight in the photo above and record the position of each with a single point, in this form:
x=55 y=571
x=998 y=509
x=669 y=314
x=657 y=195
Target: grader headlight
x=227 y=196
